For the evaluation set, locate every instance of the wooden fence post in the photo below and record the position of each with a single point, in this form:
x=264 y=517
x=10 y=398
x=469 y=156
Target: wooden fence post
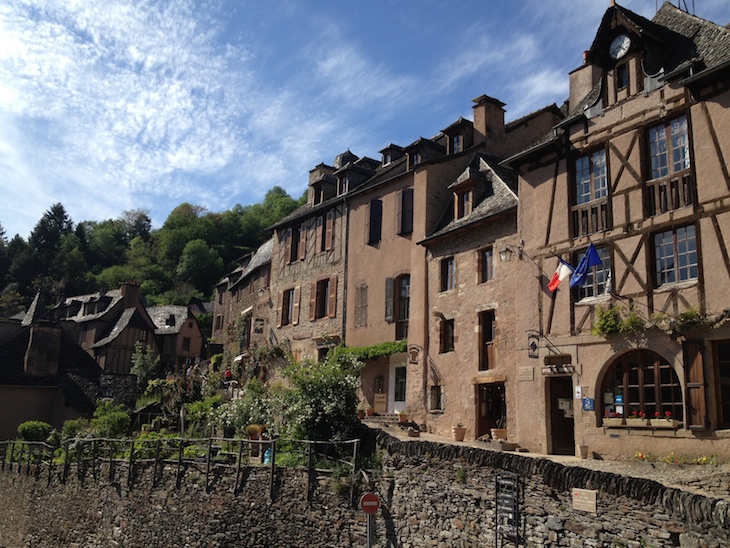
x=180 y=452
x=130 y=471
x=273 y=468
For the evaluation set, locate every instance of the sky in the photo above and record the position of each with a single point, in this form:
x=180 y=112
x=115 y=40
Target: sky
x=110 y=105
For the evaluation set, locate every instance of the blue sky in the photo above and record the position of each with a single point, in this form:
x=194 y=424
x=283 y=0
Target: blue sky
x=109 y=105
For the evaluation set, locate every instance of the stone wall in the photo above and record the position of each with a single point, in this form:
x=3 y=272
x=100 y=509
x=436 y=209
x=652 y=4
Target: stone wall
x=432 y=495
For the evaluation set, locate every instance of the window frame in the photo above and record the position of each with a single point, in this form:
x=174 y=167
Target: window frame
x=448 y=274
x=598 y=278
x=590 y=209
x=660 y=273
x=374 y=225
x=402 y=305
x=485 y=263
x=447 y=335
x=361 y=305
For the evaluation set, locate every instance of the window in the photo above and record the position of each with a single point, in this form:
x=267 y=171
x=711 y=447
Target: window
x=142 y=335
x=434 y=398
x=486 y=264
x=288 y=313
x=342 y=185
x=323 y=299
x=361 y=305
x=598 y=279
x=622 y=76
x=675 y=255
x=400 y=384
x=446 y=336
x=186 y=344
x=457 y=144
x=487 y=358
x=671 y=183
x=463 y=203
x=375 y=220
x=387 y=158
x=218 y=322
x=292 y=244
x=404 y=212
x=448 y=274
x=672 y=157
x=645 y=383
x=590 y=212
x=328 y=235
x=402 y=306
x=416 y=159
x=722 y=358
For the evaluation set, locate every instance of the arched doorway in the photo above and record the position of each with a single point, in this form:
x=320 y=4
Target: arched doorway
x=641 y=381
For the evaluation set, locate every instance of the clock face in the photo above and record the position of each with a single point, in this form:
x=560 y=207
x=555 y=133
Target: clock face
x=620 y=46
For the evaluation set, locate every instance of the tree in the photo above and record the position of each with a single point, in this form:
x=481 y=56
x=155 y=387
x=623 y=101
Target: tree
x=45 y=238
x=137 y=224
x=110 y=421
x=200 y=265
x=145 y=364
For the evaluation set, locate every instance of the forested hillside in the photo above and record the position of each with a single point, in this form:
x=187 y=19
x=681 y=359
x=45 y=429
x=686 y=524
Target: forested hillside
x=182 y=259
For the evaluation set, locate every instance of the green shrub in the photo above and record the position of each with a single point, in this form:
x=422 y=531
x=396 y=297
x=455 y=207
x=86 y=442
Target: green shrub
x=110 y=421
x=34 y=431
x=72 y=428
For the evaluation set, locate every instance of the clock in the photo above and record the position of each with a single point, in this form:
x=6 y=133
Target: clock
x=619 y=46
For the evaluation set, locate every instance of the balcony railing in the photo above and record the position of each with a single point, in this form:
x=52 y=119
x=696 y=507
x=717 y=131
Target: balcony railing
x=669 y=193
x=590 y=218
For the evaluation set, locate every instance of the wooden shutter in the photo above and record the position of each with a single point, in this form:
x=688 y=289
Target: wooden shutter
x=480 y=266
x=313 y=301
x=442 y=336
x=406 y=225
x=287 y=246
x=694 y=376
x=399 y=213
x=332 y=306
x=302 y=241
x=318 y=237
x=329 y=231
x=279 y=308
x=389 y=303
x=376 y=219
x=295 y=307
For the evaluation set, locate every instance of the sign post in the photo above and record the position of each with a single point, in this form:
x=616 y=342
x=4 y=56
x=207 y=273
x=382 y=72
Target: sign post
x=370 y=503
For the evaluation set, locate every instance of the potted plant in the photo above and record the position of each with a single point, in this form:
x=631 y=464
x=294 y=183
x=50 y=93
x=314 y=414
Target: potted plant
x=499 y=433
x=360 y=413
x=413 y=432
x=637 y=419
x=402 y=416
x=369 y=411
x=664 y=420
x=254 y=431
x=458 y=431
x=612 y=419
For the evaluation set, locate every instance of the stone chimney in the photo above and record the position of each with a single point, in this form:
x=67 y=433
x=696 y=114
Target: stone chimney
x=582 y=81
x=130 y=294
x=488 y=119
x=44 y=350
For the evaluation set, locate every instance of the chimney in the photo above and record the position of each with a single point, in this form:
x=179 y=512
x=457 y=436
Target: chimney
x=130 y=294
x=44 y=349
x=582 y=81
x=488 y=119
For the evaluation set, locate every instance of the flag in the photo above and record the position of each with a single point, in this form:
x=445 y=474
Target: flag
x=590 y=259
x=563 y=271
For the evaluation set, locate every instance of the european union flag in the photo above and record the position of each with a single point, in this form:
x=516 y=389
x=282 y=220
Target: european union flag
x=591 y=258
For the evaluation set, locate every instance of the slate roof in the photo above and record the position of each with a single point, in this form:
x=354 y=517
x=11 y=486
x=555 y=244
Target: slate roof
x=78 y=373
x=161 y=316
x=495 y=192
x=263 y=255
x=122 y=323
x=115 y=296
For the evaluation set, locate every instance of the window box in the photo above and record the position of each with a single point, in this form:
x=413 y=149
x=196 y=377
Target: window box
x=665 y=423
x=637 y=423
x=613 y=422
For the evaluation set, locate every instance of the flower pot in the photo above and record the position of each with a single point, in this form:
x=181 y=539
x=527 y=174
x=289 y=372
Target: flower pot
x=370 y=411
x=402 y=417
x=665 y=423
x=637 y=423
x=499 y=434
x=613 y=422
x=458 y=432
x=413 y=433
x=360 y=414
x=581 y=451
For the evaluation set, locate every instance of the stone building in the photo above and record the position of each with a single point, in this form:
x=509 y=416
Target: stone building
x=638 y=172
x=178 y=336
x=308 y=260
x=388 y=272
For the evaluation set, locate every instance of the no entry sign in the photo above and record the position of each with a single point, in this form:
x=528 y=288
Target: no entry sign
x=369 y=503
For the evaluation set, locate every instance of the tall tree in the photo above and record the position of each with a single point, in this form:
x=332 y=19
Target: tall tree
x=45 y=238
x=200 y=265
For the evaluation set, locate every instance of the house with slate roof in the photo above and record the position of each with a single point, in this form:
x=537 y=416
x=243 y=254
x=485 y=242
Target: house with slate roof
x=107 y=325
x=638 y=171
x=46 y=376
x=243 y=297
x=178 y=336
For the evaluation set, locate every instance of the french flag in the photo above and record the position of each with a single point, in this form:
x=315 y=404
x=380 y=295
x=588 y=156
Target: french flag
x=563 y=271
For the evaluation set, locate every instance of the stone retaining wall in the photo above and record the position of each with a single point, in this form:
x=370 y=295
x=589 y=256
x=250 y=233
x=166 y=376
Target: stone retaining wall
x=432 y=495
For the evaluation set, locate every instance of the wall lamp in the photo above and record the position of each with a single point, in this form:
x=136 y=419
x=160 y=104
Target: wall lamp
x=505 y=255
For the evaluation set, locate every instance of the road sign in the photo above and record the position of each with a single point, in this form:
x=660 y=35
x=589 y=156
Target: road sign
x=370 y=503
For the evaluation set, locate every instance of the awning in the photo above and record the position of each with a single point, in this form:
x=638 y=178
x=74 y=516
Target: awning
x=247 y=311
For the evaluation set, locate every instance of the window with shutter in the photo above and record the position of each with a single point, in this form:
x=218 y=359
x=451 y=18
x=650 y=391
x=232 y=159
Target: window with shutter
x=302 y=241
x=695 y=383
x=329 y=231
x=389 y=300
x=319 y=237
x=375 y=220
x=361 y=305
x=332 y=298
x=287 y=245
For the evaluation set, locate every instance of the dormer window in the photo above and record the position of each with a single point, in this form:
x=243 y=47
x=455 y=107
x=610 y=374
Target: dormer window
x=457 y=144
x=416 y=158
x=343 y=184
x=622 y=76
x=463 y=202
x=387 y=158
x=318 y=194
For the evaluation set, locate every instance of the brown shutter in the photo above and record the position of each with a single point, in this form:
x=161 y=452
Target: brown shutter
x=329 y=231
x=480 y=265
x=696 y=404
x=319 y=241
x=302 y=241
x=295 y=308
x=287 y=246
x=442 y=336
x=313 y=301
x=367 y=224
x=389 y=308
x=456 y=205
x=399 y=213
x=279 y=308
x=332 y=309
